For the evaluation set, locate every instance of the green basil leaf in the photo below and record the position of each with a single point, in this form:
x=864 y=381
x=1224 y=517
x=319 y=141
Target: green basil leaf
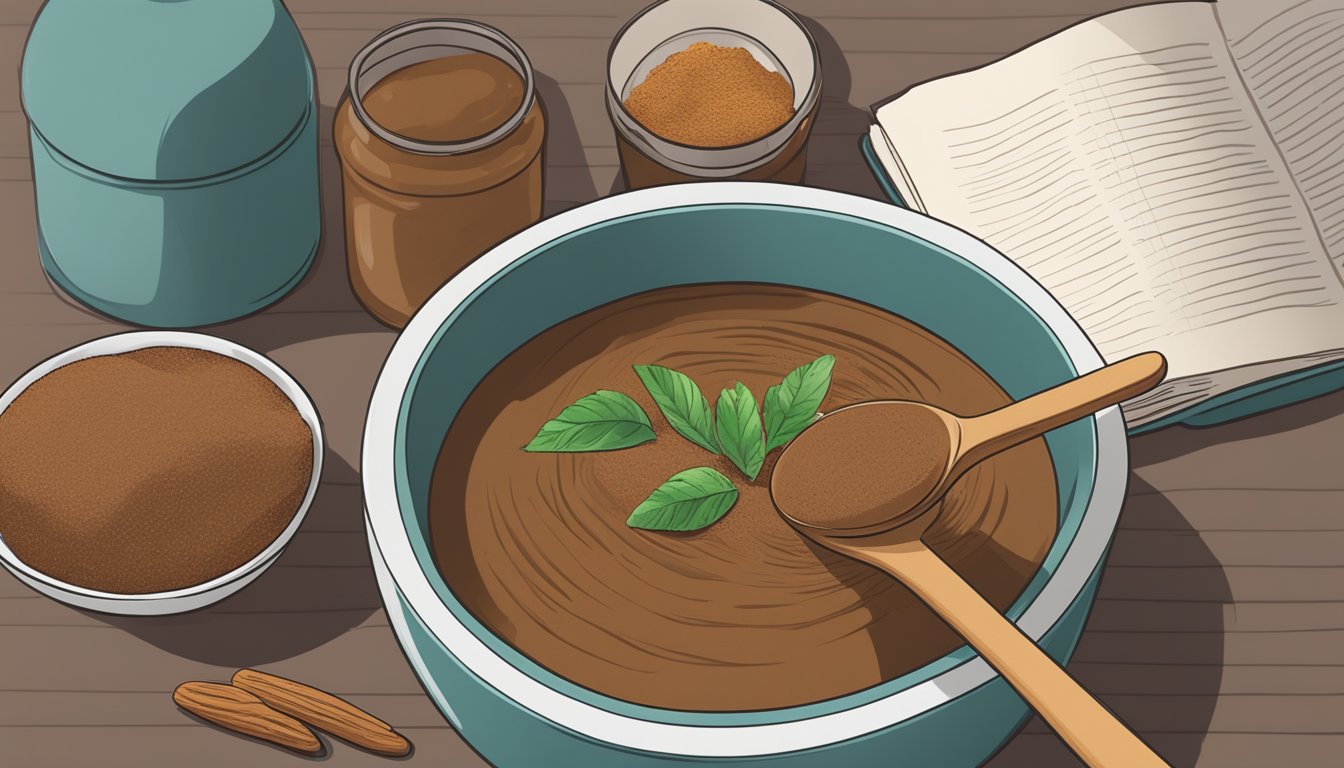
x=690 y=500
x=602 y=421
x=792 y=404
x=739 y=430
x=682 y=403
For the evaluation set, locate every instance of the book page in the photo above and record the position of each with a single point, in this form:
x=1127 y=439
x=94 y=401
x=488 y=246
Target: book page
x=1122 y=163
x=1291 y=55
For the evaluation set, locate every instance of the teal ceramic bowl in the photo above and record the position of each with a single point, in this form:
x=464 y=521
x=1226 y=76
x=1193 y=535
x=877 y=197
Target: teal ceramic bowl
x=952 y=712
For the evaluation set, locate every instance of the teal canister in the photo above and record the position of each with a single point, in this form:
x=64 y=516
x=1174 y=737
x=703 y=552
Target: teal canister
x=174 y=148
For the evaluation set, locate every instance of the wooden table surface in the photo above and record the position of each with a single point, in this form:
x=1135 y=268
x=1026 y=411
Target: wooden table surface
x=1218 y=633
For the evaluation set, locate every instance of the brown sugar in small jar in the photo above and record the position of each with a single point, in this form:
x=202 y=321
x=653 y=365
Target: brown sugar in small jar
x=440 y=140
x=711 y=96
x=713 y=90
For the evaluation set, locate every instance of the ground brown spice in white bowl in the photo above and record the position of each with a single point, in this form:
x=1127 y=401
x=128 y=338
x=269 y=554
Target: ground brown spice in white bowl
x=149 y=471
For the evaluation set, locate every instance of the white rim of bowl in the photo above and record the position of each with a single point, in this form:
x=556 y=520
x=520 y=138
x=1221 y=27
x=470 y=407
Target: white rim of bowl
x=112 y=602
x=383 y=514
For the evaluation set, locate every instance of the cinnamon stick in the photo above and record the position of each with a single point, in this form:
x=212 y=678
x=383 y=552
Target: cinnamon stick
x=324 y=711
x=240 y=711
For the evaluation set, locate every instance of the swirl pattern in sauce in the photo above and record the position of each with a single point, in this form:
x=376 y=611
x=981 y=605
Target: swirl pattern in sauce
x=745 y=614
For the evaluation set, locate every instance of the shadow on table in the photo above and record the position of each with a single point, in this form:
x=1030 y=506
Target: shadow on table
x=833 y=157
x=567 y=179
x=322 y=586
x=1178 y=441
x=1153 y=648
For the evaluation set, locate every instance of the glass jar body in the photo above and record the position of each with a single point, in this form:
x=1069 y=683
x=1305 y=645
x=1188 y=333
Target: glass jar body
x=412 y=222
x=416 y=211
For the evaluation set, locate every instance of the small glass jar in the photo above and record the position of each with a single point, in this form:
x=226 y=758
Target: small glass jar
x=772 y=34
x=417 y=211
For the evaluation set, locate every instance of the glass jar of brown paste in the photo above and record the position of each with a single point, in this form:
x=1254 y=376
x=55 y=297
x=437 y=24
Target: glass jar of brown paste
x=440 y=141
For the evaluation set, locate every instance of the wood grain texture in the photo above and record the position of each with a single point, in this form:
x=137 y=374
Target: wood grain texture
x=1218 y=632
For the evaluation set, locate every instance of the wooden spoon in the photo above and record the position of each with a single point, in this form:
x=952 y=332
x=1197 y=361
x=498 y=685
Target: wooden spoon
x=861 y=481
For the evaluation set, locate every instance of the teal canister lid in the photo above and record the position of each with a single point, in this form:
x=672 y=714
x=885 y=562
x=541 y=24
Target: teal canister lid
x=165 y=90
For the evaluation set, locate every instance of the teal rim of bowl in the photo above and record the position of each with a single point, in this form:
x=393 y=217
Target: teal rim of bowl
x=1068 y=496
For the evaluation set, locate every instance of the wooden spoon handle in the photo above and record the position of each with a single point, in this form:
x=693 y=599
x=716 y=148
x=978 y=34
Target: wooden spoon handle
x=984 y=436
x=1094 y=734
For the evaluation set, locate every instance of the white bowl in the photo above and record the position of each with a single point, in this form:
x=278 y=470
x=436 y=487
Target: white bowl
x=220 y=587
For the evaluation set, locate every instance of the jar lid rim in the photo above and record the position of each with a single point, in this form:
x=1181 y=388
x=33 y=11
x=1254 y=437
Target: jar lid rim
x=206 y=88
x=521 y=64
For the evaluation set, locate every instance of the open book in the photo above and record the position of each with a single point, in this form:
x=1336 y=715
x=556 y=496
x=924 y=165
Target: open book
x=1172 y=173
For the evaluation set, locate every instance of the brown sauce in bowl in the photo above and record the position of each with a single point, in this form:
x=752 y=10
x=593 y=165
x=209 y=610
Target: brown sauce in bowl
x=745 y=614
